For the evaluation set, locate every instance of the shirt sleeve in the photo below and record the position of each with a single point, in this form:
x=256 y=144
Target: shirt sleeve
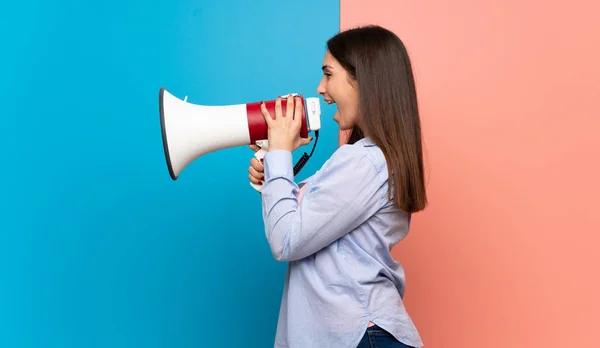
x=346 y=192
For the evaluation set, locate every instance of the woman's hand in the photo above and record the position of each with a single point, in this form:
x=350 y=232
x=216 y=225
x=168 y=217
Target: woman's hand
x=256 y=171
x=284 y=130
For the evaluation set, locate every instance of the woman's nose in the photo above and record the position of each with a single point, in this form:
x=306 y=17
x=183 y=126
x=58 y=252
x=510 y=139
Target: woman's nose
x=321 y=87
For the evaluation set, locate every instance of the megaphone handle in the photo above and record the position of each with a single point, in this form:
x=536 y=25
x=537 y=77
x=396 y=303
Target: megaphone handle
x=260 y=154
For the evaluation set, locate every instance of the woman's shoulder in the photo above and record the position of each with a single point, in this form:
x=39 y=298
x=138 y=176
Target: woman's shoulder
x=352 y=161
x=362 y=151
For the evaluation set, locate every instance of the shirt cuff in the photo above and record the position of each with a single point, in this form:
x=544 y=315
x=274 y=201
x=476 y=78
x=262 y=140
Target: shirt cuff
x=278 y=164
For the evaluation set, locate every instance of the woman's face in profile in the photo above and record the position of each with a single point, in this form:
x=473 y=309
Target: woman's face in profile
x=337 y=87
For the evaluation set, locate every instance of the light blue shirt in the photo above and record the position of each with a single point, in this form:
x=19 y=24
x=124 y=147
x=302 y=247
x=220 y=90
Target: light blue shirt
x=337 y=243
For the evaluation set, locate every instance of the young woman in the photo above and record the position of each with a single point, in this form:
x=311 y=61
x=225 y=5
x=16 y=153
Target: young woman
x=336 y=229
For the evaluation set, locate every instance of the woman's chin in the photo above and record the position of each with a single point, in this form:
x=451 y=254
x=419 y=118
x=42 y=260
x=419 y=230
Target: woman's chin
x=336 y=116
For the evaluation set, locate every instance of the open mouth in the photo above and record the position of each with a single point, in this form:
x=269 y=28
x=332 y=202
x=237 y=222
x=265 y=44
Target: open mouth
x=329 y=101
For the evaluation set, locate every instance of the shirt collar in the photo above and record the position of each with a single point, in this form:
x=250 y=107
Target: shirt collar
x=366 y=142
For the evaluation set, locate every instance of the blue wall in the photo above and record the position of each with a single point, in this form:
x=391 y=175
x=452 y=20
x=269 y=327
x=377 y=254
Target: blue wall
x=98 y=247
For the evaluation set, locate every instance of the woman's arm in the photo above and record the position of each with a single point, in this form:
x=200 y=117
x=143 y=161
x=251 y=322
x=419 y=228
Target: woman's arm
x=346 y=192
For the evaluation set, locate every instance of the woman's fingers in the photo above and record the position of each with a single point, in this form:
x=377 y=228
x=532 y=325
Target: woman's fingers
x=254 y=180
x=257 y=165
x=256 y=171
x=278 y=112
x=289 y=110
x=254 y=175
x=298 y=113
x=266 y=114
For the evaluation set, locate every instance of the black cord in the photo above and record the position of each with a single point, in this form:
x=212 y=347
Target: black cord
x=302 y=161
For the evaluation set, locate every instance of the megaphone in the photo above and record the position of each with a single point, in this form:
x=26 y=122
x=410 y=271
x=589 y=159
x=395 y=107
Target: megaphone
x=190 y=131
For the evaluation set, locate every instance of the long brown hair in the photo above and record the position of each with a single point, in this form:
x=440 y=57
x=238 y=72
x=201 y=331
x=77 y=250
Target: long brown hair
x=388 y=111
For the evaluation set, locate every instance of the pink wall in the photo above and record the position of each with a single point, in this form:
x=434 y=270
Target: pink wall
x=506 y=254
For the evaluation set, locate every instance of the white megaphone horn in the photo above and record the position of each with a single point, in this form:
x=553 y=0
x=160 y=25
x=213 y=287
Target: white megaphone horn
x=190 y=131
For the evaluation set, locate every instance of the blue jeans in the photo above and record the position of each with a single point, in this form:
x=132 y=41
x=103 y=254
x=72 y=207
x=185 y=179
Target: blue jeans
x=376 y=337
